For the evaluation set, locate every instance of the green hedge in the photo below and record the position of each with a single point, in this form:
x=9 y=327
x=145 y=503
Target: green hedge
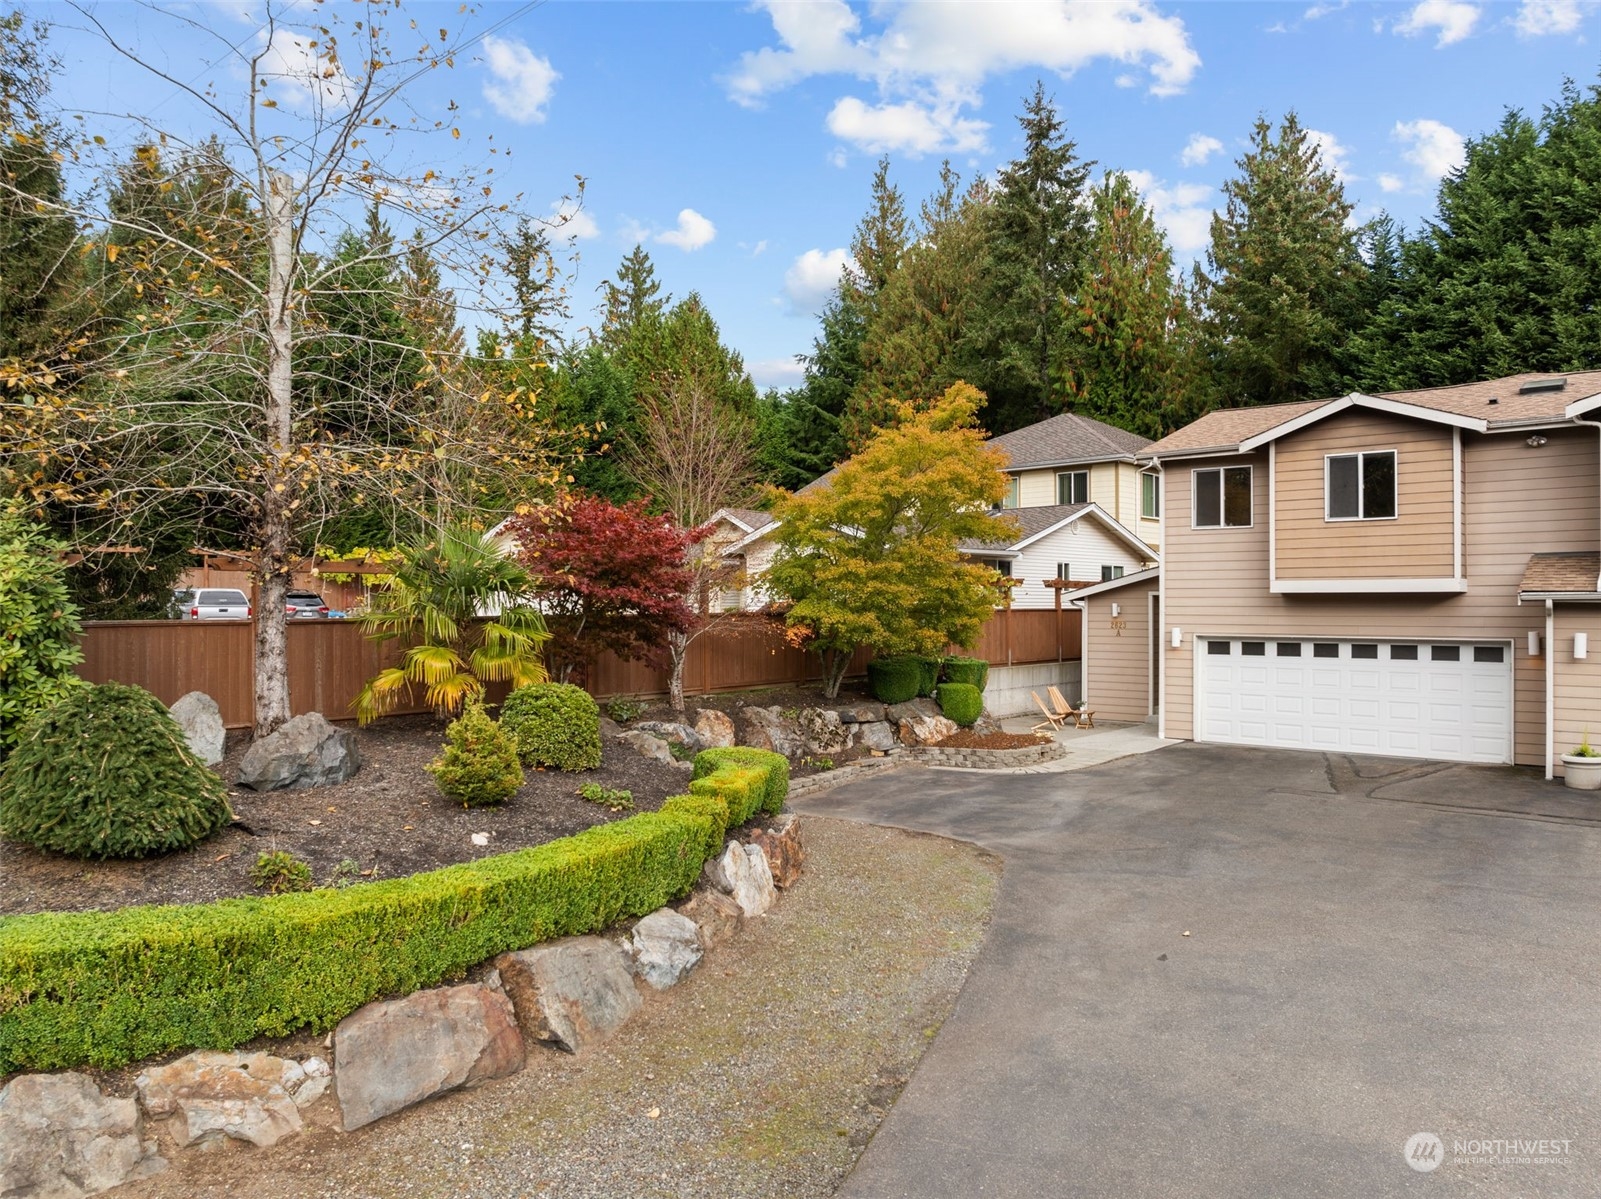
x=894 y=680
x=973 y=671
x=927 y=675
x=110 y=988
x=961 y=702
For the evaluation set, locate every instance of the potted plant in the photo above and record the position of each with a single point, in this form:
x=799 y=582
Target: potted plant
x=1581 y=767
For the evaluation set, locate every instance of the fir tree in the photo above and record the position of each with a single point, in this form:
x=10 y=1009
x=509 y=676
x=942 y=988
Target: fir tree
x=634 y=300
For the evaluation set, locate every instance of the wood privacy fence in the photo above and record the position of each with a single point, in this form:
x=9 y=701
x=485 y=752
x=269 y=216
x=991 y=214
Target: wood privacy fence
x=329 y=660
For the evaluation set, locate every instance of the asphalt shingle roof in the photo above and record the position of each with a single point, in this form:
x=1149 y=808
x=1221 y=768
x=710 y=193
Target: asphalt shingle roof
x=1029 y=520
x=1067 y=438
x=1575 y=572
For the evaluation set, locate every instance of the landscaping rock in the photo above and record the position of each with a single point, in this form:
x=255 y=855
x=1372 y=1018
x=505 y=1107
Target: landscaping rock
x=911 y=710
x=671 y=731
x=742 y=872
x=570 y=993
x=207 y=1096
x=863 y=713
x=664 y=948
x=780 y=844
x=823 y=731
x=60 y=1138
x=926 y=730
x=648 y=746
x=200 y=719
x=715 y=729
x=775 y=729
x=388 y=1056
x=716 y=916
x=880 y=735
x=306 y=752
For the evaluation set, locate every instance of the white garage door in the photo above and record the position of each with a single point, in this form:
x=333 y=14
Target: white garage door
x=1450 y=701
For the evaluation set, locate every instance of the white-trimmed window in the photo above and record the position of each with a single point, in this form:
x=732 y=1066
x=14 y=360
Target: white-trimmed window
x=1073 y=487
x=1012 y=498
x=1222 y=498
x=1108 y=573
x=1151 y=496
x=1064 y=572
x=999 y=565
x=1359 y=486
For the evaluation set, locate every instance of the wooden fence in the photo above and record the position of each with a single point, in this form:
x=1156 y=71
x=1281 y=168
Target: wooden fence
x=329 y=660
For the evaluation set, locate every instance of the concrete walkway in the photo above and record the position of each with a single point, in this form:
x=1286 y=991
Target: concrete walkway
x=1086 y=747
x=1222 y=972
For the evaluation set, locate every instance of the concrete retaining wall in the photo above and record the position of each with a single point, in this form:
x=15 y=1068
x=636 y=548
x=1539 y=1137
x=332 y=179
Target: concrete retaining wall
x=1008 y=688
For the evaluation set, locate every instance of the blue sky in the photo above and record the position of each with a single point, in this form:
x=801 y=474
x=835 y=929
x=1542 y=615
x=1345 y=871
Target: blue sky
x=737 y=141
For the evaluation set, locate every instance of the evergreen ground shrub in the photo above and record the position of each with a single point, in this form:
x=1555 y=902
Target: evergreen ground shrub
x=973 y=671
x=961 y=702
x=894 y=680
x=479 y=767
x=927 y=674
x=555 y=724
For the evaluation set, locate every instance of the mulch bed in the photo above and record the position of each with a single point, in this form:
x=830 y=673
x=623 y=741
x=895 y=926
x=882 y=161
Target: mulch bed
x=389 y=820
x=967 y=739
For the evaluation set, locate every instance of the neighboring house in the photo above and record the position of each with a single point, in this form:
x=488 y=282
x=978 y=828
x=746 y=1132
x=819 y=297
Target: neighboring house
x=1411 y=574
x=739 y=535
x=1069 y=543
x=1071 y=459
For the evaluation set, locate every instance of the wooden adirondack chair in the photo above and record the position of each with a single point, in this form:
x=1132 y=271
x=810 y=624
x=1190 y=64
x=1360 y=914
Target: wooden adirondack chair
x=1082 y=717
x=1052 y=721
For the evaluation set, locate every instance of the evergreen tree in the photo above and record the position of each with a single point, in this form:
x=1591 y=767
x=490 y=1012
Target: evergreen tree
x=1279 y=294
x=1121 y=363
x=593 y=393
x=539 y=301
x=1375 y=355
x=634 y=300
x=1037 y=234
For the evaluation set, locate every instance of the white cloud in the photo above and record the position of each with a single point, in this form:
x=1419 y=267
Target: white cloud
x=693 y=232
x=837 y=157
x=812 y=277
x=1320 y=10
x=759 y=248
x=1199 y=148
x=1184 y=210
x=1391 y=183
x=578 y=224
x=520 y=83
x=776 y=372
x=299 y=61
x=934 y=58
x=1453 y=19
x=1335 y=154
x=909 y=127
x=1539 y=18
x=1433 y=148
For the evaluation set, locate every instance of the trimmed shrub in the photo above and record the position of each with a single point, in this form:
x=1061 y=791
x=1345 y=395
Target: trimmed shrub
x=109 y=988
x=894 y=680
x=927 y=674
x=280 y=871
x=39 y=628
x=776 y=767
x=961 y=702
x=973 y=671
x=479 y=766
x=106 y=773
x=555 y=724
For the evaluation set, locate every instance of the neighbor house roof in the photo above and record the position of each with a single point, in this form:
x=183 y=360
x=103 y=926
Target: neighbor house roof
x=1067 y=439
x=1551 y=576
x=1149 y=574
x=748 y=519
x=1035 y=523
x=1517 y=400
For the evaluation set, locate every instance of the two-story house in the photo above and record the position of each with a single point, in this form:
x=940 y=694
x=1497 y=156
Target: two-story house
x=1411 y=574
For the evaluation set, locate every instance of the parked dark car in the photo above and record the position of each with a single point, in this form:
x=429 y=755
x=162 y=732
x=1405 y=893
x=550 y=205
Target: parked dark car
x=305 y=605
x=213 y=603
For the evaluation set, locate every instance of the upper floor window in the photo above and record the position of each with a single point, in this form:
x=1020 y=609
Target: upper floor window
x=1223 y=498
x=1013 y=492
x=1150 y=496
x=1073 y=487
x=1064 y=571
x=1360 y=486
x=1108 y=573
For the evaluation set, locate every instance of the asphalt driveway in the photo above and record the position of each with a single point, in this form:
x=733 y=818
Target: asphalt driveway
x=1218 y=972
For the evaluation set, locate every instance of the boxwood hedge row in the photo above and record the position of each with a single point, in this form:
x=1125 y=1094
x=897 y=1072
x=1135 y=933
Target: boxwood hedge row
x=110 y=988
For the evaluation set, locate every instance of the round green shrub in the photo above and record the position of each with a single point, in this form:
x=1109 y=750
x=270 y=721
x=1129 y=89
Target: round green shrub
x=961 y=702
x=894 y=680
x=555 y=724
x=973 y=671
x=927 y=674
x=479 y=767
x=106 y=773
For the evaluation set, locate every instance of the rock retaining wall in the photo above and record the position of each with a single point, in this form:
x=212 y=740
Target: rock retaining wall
x=987 y=759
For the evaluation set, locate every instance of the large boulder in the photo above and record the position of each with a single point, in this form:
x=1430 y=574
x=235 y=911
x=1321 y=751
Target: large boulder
x=200 y=719
x=780 y=843
x=717 y=917
x=648 y=745
x=570 y=993
x=253 y=1097
x=866 y=712
x=715 y=729
x=742 y=872
x=60 y=1138
x=388 y=1056
x=879 y=735
x=912 y=709
x=773 y=728
x=926 y=730
x=664 y=948
x=823 y=731
x=671 y=731
x=306 y=752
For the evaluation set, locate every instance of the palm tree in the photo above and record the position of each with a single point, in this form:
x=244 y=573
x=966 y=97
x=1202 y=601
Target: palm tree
x=461 y=605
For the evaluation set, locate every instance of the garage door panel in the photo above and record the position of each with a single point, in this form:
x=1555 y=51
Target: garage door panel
x=1436 y=700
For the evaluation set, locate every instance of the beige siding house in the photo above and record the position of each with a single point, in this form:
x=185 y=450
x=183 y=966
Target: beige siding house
x=1121 y=664
x=1072 y=459
x=1062 y=543
x=1411 y=574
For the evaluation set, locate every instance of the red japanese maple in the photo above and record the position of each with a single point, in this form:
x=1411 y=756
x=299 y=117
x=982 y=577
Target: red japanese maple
x=609 y=577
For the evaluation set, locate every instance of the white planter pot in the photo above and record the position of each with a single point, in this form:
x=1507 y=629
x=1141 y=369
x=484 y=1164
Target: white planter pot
x=1582 y=774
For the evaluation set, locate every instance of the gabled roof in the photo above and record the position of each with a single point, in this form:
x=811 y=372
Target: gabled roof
x=747 y=520
x=1556 y=576
x=1483 y=406
x=1044 y=520
x=1068 y=439
x=1139 y=576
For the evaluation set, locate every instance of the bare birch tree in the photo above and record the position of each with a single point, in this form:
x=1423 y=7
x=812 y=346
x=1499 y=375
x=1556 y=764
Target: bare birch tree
x=192 y=378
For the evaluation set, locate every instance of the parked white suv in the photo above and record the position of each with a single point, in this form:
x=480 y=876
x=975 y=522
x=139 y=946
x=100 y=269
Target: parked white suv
x=215 y=603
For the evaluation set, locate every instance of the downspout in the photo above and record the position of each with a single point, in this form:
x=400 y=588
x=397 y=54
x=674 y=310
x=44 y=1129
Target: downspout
x=1550 y=691
x=1550 y=655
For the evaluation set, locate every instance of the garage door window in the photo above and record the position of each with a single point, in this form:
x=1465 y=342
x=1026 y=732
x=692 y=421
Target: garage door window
x=1218 y=647
x=1403 y=653
x=1445 y=653
x=1360 y=486
x=1223 y=498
